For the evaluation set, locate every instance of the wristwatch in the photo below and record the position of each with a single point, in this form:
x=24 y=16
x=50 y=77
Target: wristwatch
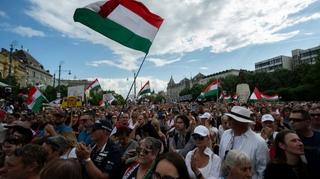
x=87 y=160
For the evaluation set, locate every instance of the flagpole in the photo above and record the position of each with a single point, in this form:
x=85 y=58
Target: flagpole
x=134 y=81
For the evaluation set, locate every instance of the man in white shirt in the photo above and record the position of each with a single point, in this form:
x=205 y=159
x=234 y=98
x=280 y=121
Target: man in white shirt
x=242 y=138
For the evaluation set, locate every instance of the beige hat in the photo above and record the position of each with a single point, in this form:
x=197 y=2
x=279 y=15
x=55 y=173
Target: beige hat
x=240 y=114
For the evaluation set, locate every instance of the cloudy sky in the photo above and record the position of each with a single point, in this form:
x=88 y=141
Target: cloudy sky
x=206 y=36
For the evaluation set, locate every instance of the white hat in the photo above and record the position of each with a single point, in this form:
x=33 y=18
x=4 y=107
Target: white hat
x=240 y=114
x=201 y=130
x=267 y=117
x=205 y=115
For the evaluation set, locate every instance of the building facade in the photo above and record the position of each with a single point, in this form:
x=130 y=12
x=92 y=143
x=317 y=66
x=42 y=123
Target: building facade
x=85 y=83
x=174 y=89
x=307 y=56
x=26 y=69
x=273 y=64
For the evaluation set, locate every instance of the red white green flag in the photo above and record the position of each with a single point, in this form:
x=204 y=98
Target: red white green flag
x=212 y=89
x=35 y=99
x=145 y=89
x=127 y=22
x=93 y=86
x=257 y=95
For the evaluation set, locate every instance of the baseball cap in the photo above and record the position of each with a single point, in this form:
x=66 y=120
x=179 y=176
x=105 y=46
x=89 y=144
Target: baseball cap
x=26 y=132
x=201 y=130
x=58 y=142
x=205 y=115
x=267 y=117
x=59 y=113
x=102 y=124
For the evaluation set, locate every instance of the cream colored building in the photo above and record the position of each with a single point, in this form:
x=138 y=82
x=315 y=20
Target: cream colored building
x=26 y=69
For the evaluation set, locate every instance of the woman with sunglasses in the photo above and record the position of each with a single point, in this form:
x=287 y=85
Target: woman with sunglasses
x=147 y=153
x=202 y=162
x=170 y=166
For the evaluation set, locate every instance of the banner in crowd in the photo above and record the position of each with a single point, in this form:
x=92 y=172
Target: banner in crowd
x=76 y=91
x=127 y=22
x=243 y=92
x=35 y=99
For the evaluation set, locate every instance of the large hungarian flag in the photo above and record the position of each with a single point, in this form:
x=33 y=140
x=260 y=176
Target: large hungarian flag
x=93 y=86
x=211 y=89
x=35 y=99
x=145 y=89
x=257 y=95
x=127 y=22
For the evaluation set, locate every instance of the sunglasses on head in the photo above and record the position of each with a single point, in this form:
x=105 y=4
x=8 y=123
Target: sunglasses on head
x=143 y=151
x=156 y=175
x=197 y=137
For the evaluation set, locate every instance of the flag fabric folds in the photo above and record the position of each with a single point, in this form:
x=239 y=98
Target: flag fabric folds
x=257 y=95
x=145 y=89
x=35 y=99
x=95 y=85
x=211 y=89
x=127 y=22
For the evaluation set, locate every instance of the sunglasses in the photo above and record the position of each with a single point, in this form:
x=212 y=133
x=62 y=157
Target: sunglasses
x=156 y=175
x=140 y=150
x=198 y=137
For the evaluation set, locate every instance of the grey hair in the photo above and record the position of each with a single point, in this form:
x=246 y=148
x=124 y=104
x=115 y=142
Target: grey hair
x=223 y=117
x=152 y=144
x=232 y=159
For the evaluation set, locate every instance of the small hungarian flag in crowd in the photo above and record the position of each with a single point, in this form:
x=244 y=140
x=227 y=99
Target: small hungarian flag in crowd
x=95 y=85
x=145 y=89
x=211 y=89
x=35 y=99
x=127 y=22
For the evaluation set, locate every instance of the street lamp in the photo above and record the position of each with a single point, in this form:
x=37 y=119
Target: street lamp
x=12 y=45
x=59 y=75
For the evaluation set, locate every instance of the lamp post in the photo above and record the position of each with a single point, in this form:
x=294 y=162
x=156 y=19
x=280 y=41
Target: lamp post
x=10 y=60
x=59 y=78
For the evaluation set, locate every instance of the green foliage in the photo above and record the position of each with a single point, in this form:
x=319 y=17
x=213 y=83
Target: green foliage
x=302 y=83
x=50 y=93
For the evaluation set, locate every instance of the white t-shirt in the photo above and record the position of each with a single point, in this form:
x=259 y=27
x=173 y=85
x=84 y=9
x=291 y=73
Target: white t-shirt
x=211 y=170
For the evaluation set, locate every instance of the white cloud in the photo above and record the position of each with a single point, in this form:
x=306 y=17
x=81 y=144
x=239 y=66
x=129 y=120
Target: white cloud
x=122 y=85
x=203 y=68
x=28 y=32
x=127 y=65
x=193 y=60
x=3 y=14
x=190 y=25
x=162 y=62
x=308 y=33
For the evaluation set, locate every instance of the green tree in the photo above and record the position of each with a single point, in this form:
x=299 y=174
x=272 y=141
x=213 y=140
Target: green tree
x=229 y=83
x=50 y=93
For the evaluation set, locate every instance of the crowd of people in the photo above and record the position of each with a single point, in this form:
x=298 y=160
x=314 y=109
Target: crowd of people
x=183 y=140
